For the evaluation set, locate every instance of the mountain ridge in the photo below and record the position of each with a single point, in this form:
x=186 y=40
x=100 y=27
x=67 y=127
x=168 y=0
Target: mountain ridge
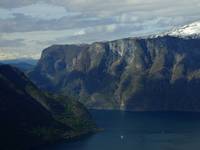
x=117 y=74
x=30 y=117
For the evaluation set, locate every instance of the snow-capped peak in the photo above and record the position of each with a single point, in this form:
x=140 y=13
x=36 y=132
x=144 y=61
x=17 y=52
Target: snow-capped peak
x=190 y=30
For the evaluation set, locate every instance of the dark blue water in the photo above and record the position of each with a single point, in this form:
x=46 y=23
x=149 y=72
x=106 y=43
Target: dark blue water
x=140 y=131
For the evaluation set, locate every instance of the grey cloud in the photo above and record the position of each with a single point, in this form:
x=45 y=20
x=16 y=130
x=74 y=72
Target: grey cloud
x=12 y=43
x=23 y=23
x=123 y=30
x=91 y=13
x=97 y=20
x=16 y=3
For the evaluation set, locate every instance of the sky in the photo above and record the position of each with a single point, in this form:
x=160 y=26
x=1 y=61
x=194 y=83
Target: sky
x=29 y=26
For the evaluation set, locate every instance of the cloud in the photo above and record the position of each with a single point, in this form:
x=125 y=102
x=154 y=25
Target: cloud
x=44 y=11
x=5 y=14
x=11 y=43
x=40 y=23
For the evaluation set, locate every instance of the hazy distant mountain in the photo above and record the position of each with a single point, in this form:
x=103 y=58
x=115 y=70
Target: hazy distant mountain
x=22 y=64
x=30 y=117
x=22 y=60
x=155 y=73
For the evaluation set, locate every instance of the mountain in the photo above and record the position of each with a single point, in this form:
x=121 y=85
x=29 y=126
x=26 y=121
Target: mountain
x=23 y=64
x=20 y=60
x=191 y=30
x=154 y=73
x=30 y=118
x=25 y=67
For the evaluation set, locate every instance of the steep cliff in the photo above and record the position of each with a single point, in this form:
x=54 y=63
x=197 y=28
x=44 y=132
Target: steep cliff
x=156 y=73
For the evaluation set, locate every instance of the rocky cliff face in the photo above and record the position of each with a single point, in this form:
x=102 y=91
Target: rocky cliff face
x=160 y=73
x=30 y=117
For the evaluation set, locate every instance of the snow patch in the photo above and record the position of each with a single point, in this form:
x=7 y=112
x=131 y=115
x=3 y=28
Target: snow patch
x=187 y=30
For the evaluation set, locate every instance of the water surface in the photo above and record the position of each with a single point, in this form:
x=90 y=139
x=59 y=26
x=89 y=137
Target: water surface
x=140 y=131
